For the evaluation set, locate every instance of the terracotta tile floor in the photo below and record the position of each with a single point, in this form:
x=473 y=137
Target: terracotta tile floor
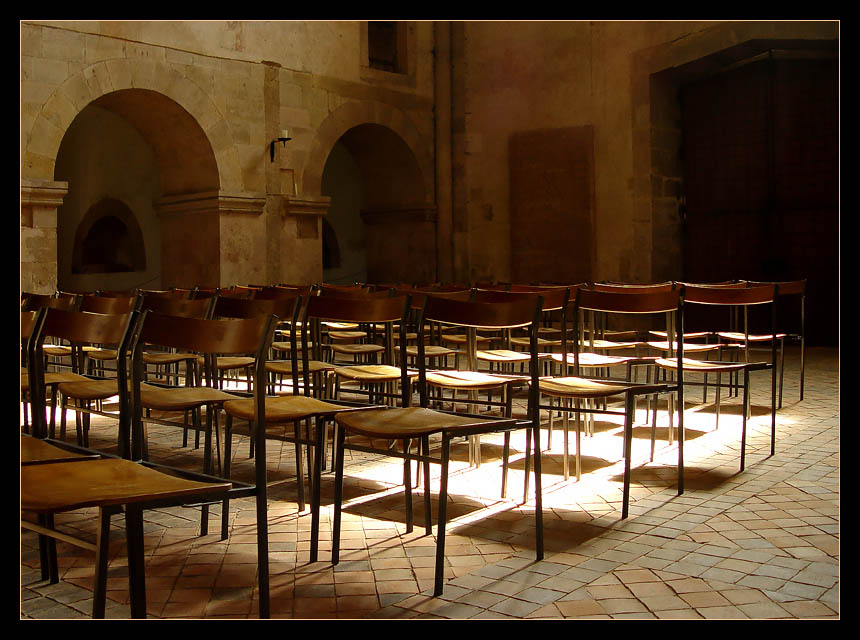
x=761 y=544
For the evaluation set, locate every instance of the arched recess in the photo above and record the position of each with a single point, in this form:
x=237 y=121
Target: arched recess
x=109 y=83
x=198 y=164
x=396 y=169
x=108 y=240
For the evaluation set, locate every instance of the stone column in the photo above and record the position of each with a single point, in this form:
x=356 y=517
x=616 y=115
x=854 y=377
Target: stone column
x=301 y=238
x=212 y=239
x=39 y=202
x=443 y=111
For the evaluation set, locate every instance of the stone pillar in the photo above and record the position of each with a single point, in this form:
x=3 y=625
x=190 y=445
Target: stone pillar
x=212 y=239
x=401 y=244
x=39 y=202
x=443 y=111
x=301 y=238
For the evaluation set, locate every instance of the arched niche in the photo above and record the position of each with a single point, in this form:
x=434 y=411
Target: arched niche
x=108 y=240
x=386 y=214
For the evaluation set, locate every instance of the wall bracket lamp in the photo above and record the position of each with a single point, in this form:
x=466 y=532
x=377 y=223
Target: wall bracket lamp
x=285 y=135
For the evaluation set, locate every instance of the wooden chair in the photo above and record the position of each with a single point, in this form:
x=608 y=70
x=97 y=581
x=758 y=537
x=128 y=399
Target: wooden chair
x=54 y=482
x=61 y=356
x=158 y=403
x=407 y=423
x=286 y=414
x=98 y=357
x=86 y=329
x=353 y=341
x=572 y=390
x=730 y=297
x=744 y=338
x=433 y=350
x=372 y=379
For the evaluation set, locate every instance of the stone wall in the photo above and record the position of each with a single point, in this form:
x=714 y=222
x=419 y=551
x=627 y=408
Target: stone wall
x=209 y=97
x=518 y=77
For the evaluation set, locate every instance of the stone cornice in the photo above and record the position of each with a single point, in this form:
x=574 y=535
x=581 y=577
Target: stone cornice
x=305 y=205
x=43 y=193
x=211 y=202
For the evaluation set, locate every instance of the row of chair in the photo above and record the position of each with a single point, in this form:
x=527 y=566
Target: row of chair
x=383 y=417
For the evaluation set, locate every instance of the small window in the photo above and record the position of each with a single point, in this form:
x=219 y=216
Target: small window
x=384 y=52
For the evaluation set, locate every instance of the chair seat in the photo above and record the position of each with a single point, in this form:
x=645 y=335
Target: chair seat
x=286 y=345
x=461 y=339
x=102 y=354
x=502 y=355
x=588 y=359
x=225 y=363
x=347 y=335
x=53 y=378
x=341 y=326
x=354 y=349
x=64 y=486
x=466 y=380
x=690 y=335
x=283 y=408
x=371 y=373
x=734 y=335
x=701 y=366
x=36 y=451
x=89 y=389
x=410 y=422
x=542 y=342
x=431 y=351
x=575 y=387
x=609 y=344
x=180 y=398
x=689 y=347
x=165 y=357
x=61 y=350
x=286 y=366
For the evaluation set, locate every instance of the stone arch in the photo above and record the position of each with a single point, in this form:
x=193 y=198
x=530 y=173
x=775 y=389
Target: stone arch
x=106 y=83
x=351 y=115
x=397 y=168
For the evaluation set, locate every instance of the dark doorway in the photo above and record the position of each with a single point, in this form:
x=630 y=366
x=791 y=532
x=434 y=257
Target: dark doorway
x=761 y=179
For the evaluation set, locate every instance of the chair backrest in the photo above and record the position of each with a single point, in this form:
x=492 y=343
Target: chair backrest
x=732 y=296
x=202 y=335
x=152 y=293
x=514 y=311
x=660 y=302
x=353 y=291
x=795 y=290
x=208 y=337
x=418 y=296
x=632 y=288
x=205 y=292
x=281 y=307
x=238 y=291
x=278 y=291
x=35 y=301
x=172 y=306
x=29 y=323
x=374 y=310
x=81 y=328
x=110 y=305
x=738 y=298
x=628 y=301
